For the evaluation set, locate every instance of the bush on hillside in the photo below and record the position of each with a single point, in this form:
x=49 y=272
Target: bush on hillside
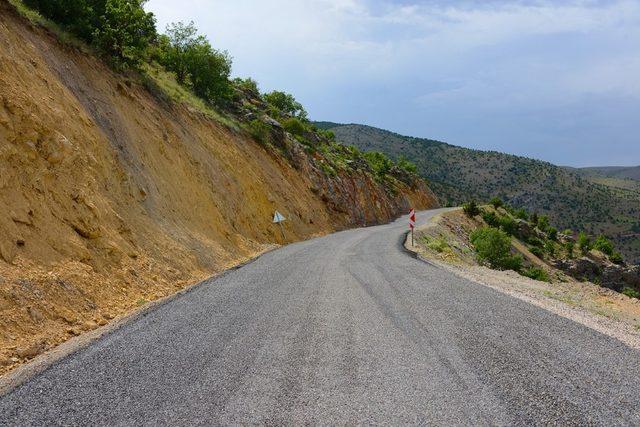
x=552 y=232
x=493 y=246
x=537 y=251
x=584 y=243
x=294 y=126
x=247 y=85
x=406 y=165
x=536 y=273
x=471 y=209
x=603 y=245
x=508 y=225
x=543 y=222
x=521 y=214
x=379 y=163
x=496 y=202
x=632 y=293
x=616 y=258
x=260 y=131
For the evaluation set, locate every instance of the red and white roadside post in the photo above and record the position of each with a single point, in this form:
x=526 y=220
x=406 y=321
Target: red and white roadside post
x=412 y=222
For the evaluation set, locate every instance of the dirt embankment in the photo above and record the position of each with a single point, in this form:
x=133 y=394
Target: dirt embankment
x=111 y=197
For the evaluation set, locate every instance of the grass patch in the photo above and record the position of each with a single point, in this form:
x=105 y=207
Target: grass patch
x=141 y=302
x=631 y=293
x=536 y=273
x=35 y=18
x=158 y=78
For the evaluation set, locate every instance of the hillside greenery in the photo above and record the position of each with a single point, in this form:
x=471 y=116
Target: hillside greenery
x=183 y=65
x=458 y=174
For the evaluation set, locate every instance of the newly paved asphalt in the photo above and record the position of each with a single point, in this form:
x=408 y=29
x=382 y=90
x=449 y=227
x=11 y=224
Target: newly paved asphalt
x=344 y=329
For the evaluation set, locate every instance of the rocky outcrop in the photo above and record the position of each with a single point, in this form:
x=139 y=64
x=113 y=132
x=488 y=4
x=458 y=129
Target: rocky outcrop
x=606 y=274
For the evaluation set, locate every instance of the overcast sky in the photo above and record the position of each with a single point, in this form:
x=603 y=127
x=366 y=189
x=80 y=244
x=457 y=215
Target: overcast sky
x=553 y=80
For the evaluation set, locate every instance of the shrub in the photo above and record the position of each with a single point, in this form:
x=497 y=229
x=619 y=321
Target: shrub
x=543 y=222
x=550 y=247
x=632 y=293
x=603 y=245
x=521 y=214
x=494 y=247
x=247 y=85
x=405 y=164
x=294 y=126
x=536 y=273
x=616 y=258
x=471 y=209
x=552 y=232
x=491 y=219
x=508 y=225
x=379 y=163
x=496 y=202
x=569 y=247
x=584 y=243
x=537 y=251
x=534 y=219
x=260 y=131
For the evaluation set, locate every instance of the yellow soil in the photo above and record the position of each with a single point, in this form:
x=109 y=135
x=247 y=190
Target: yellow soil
x=111 y=197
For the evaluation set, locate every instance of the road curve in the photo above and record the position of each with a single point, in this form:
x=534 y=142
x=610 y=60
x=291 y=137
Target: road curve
x=343 y=329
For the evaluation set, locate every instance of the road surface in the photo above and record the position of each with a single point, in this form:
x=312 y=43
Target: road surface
x=343 y=329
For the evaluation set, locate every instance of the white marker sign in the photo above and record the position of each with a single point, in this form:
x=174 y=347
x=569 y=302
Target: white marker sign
x=278 y=217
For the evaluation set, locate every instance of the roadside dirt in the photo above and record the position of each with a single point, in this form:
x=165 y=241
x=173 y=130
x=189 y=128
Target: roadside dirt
x=601 y=309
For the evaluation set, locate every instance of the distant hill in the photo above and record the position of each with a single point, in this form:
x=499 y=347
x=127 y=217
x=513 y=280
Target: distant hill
x=457 y=174
x=612 y=176
x=623 y=172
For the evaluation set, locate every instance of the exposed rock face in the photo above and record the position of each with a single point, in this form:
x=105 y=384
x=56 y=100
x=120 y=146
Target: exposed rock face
x=608 y=275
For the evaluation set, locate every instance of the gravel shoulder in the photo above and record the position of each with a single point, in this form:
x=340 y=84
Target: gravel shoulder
x=598 y=308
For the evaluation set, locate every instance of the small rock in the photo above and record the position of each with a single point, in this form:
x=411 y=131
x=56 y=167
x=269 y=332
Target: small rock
x=73 y=331
x=35 y=314
x=32 y=351
x=89 y=325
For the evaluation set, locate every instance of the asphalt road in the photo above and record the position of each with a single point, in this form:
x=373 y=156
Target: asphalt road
x=344 y=329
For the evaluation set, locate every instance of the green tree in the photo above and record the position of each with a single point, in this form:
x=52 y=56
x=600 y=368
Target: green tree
x=177 y=43
x=286 y=104
x=494 y=247
x=124 y=31
x=209 y=72
x=196 y=64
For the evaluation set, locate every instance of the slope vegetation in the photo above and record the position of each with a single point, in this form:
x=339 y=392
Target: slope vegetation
x=458 y=174
x=111 y=195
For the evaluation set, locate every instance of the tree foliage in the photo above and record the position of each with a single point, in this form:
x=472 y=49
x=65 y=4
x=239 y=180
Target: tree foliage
x=494 y=247
x=195 y=63
x=119 y=29
x=286 y=104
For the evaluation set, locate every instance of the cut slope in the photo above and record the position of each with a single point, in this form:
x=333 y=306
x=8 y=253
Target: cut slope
x=111 y=196
x=458 y=174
